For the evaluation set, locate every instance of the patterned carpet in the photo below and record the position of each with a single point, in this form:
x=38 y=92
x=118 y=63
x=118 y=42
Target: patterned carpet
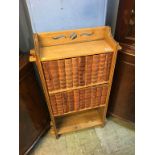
x=115 y=138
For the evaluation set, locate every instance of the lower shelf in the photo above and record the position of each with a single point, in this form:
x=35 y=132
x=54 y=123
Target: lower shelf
x=78 y=121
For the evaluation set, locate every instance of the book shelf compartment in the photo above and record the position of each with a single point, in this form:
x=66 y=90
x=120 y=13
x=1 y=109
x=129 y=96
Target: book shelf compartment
x=77 y=71
x=78 y=100
x=80 y=120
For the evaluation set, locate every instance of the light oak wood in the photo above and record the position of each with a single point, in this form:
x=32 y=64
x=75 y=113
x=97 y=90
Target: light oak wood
x=60 y=47
x=83 y=35
x=82 y=110
x=39 y=66
x=78 y=121
x=79 y=87
x=74 y=50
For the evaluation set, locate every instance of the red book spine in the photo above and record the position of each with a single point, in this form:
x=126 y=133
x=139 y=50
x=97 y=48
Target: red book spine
x=76 y=100
x=65 y=106
x=53 y=104
x=81 y=71
x=59 y=102
x=75 y=71
x=68 y=70
x=71 y=100
x=95 y=67
x=101 y=67
x=109 y=60
x=87 y=97
x=48 y=77
x=53 y=71
x=93 y=96
x=82 y=99
x=98 y=95
x=104 y=95
x=89 y=60
x=62 y=74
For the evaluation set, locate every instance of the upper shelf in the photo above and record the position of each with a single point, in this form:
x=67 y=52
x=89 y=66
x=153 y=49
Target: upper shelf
x=73 y=43
x=74 y=50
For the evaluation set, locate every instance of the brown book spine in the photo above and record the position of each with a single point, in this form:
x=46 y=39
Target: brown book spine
x=81 y=70
x=65 y=106
x=89 y=60
x=68 y=70
x=75 y=71
x=76 y=100
x=71 y=100
x=93 y=96
x=109 y=60
x=87 y=97
x=95 y=67
x=82 y=98
x=104 y=95
x=62 y=75
x=59 y=102
x=101 y=67
x=53 y=71
x=98 y=95
x=53 y=104
x=48 y=78
x=105 y=68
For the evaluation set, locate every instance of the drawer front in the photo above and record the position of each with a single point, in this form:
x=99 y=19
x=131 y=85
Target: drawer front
x=78 y=99
x=78 y=71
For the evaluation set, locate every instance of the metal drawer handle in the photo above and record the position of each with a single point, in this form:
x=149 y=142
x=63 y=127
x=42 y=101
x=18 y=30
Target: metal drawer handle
x=58 y=37
x=86 y=34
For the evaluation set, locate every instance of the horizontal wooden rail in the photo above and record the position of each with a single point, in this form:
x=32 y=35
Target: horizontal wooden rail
x=72 y=112
x=80 y=87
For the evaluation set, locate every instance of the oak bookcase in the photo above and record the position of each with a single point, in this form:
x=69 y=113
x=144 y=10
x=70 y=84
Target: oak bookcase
x=76 y=70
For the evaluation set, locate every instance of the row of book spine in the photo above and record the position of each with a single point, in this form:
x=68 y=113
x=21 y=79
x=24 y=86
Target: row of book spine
x=78 y=71
x=78 y=99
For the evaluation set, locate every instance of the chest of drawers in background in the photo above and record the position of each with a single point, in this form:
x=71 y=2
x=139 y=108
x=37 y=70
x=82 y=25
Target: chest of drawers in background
x=76 y=69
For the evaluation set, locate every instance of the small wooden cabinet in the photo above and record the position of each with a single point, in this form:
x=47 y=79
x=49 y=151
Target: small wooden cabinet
x=34 y=118
x=122 y=98
x=76 y=69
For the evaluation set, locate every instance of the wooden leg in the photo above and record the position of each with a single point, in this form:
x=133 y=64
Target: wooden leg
x=57 y=136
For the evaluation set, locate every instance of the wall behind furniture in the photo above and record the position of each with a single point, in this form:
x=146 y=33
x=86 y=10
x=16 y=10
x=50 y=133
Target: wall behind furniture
x=25 y=29
x=55 y=15
x=112 y=9
x=72 y=14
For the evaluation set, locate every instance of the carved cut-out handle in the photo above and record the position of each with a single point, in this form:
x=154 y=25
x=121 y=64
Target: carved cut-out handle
x=58 y=37
x=86 y=34
x=73 y=36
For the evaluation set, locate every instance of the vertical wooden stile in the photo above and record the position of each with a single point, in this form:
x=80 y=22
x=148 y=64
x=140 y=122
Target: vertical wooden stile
x=40 y=70
x=115 y=46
